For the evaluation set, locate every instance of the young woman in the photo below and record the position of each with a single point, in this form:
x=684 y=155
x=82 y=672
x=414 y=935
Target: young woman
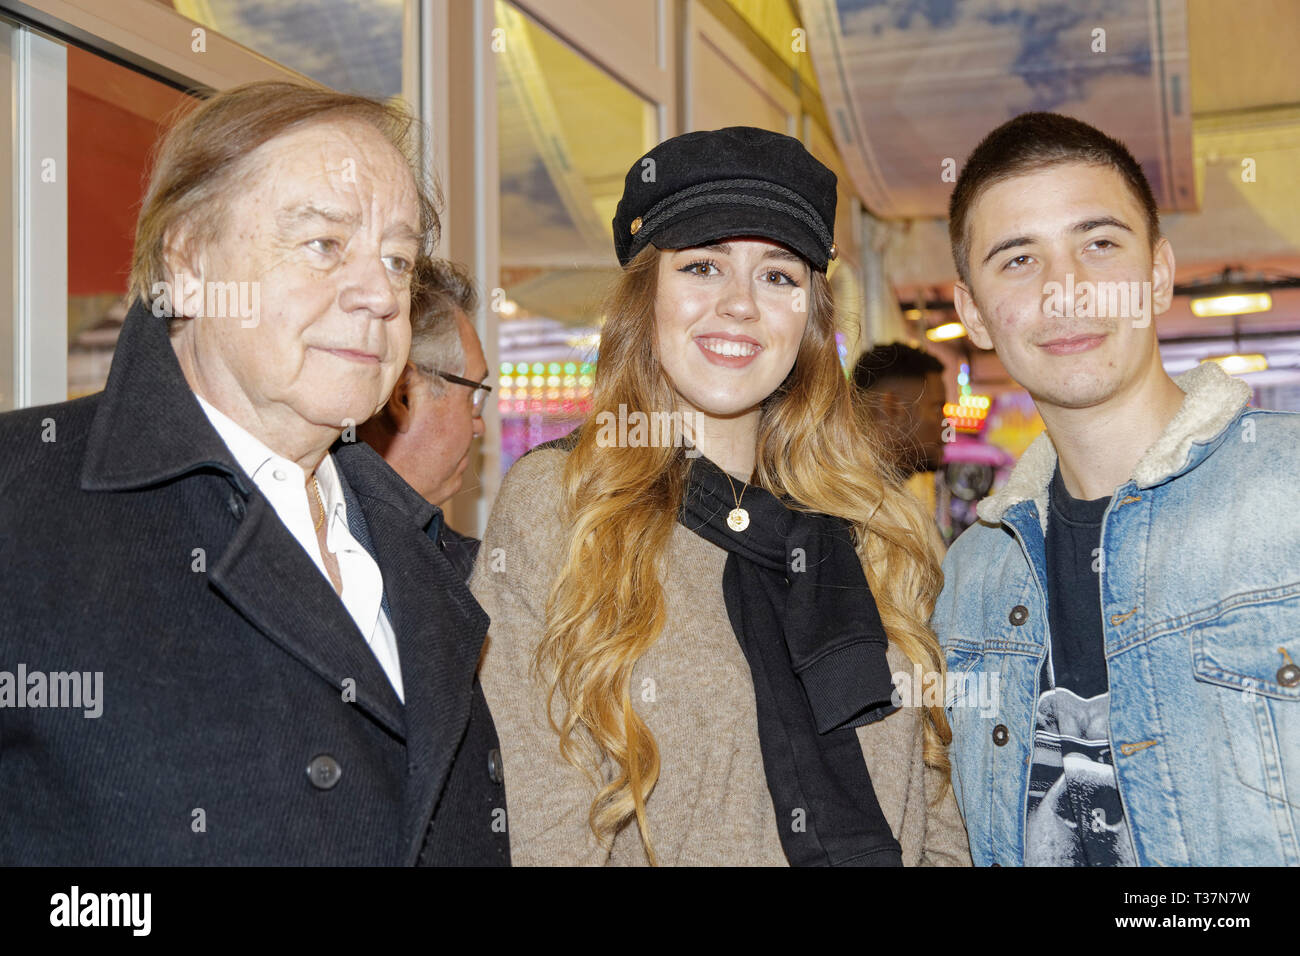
x=694 y=627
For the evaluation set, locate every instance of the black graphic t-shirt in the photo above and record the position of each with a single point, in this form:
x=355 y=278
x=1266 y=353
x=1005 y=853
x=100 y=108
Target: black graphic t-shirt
x=1075 y=817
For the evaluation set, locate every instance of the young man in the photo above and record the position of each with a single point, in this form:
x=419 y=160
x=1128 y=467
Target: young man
x=1132 y=595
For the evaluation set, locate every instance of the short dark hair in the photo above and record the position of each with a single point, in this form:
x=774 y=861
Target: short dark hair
x=1029 y=143
x=886 y=363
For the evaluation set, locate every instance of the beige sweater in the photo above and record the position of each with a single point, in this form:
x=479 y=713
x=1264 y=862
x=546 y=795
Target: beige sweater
x=711 y=805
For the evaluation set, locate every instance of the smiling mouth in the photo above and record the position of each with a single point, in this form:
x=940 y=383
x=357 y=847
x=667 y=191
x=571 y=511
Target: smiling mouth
x=728 y=347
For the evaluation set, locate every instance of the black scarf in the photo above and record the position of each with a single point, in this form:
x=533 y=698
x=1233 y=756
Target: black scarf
x=805 y=618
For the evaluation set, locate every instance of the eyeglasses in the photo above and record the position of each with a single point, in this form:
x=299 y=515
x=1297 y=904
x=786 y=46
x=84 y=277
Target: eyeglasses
x=480 y=391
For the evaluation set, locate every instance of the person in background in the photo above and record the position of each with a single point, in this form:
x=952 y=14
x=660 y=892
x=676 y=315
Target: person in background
x=426 y=429
x=1131 y=596
x=905 y=390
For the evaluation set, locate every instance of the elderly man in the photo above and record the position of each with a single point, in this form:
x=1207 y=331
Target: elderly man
x=429 y=423
x=230 y=644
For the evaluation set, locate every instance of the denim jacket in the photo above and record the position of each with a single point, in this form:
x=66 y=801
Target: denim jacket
x=1200 y=602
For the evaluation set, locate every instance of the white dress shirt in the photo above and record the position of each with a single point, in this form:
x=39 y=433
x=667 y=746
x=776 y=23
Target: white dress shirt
x=285 y=485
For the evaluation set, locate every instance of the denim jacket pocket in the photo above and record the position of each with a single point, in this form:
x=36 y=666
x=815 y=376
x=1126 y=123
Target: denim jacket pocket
x=1252 y=651
x=962 y=691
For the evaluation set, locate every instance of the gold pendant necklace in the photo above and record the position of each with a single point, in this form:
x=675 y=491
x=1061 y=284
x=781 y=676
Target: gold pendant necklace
x=738 y=518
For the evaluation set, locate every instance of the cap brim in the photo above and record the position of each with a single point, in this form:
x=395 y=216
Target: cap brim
x=719 y=222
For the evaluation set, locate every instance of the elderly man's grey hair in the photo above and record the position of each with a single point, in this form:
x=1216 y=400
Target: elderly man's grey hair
x=202 y=156
x=442 y=289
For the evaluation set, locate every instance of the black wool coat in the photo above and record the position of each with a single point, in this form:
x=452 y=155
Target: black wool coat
x=461 y=550
x=244 y=719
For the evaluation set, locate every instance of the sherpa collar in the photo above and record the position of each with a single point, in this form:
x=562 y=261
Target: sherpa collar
x=1213 y=399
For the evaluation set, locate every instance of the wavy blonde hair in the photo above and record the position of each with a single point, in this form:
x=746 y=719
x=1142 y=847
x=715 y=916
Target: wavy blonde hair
x=815 y=445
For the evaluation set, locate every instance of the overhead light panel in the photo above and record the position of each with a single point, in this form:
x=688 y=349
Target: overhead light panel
x=945 y=332
x=1242 y=303
x=1240 y=363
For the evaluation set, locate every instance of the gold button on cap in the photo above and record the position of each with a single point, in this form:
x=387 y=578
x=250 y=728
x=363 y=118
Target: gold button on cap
x=636 y=225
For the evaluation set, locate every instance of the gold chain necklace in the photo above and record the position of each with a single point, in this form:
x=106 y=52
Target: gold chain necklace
x=738 y=518
x=315 y=486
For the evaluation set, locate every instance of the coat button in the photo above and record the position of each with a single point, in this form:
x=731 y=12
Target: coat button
x=1019 y=614
x=1288 y=675
x=324 y=772
x=1001 y=735
x=494 y=766
x=236 y=505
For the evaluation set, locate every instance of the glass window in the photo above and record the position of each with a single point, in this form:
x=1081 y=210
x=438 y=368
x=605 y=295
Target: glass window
x=349 y=45
x=777 y=24
x=114 y=117
x=568 y=132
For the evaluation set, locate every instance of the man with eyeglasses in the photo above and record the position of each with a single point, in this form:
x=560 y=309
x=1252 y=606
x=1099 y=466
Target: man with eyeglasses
x=426 y=429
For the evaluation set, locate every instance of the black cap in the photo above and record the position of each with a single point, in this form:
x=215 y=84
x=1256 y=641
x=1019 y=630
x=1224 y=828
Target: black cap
x=704 y=187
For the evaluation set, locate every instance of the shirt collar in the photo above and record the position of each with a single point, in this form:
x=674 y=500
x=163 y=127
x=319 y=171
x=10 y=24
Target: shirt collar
x=249 y=451
x=261 y=463
x=149 y=428
x=331 y=489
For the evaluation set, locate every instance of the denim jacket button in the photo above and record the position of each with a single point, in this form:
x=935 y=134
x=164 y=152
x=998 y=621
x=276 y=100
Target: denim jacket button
x=1019 y=614
x=1288 y=675
x=1001 y=735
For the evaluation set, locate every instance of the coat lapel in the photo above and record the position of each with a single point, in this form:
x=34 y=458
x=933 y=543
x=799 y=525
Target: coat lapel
x=150 y=429
x=440 y=630
x=267 y=576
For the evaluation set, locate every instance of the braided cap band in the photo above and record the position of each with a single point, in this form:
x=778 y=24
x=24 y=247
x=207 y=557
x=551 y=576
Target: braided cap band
x=784 y=201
